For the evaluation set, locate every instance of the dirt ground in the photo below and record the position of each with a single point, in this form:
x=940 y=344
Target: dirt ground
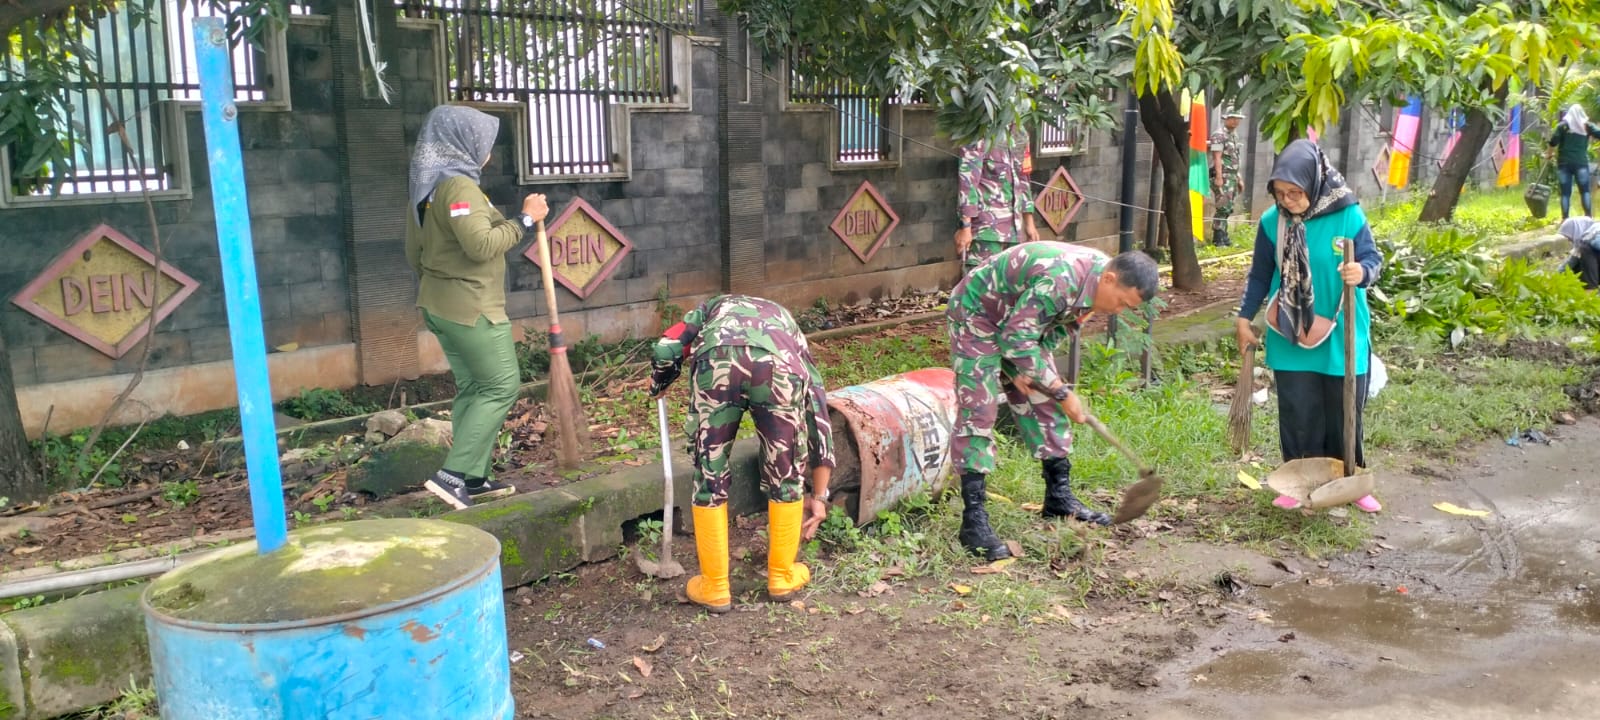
x=1440 y=616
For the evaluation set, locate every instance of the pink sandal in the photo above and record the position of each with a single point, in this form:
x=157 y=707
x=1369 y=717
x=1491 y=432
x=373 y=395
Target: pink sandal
x=1286 y=502
x=1368 y=504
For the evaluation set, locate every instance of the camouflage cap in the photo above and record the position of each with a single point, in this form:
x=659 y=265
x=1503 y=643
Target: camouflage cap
x=1232 y=113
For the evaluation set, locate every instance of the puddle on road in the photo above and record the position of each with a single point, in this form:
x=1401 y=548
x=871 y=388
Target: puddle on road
x=1368 y=614
x=1248 y=671
x=1586 y=611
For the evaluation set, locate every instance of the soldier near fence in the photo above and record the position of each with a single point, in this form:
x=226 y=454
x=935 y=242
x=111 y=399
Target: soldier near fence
x=1227 y=180
x=746 y=353
x=1006 y=318
x=995 y=199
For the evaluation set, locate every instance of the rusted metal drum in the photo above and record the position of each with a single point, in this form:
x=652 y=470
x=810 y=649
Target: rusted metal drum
x=367 y=619
x=896 y=434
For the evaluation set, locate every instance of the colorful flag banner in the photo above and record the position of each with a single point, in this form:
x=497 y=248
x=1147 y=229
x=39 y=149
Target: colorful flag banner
x=1455 y=122
x=1199 y=164
x=1511 y=164
x=1407 y=121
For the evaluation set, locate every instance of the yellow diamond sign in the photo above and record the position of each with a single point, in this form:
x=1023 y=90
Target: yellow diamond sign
x=103 y=289
x=865 y=222
x=1059 y=200
x=585 y=248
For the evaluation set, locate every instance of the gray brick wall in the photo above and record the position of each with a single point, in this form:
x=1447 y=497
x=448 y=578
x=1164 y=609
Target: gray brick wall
x=290 y=163
x=668 y=209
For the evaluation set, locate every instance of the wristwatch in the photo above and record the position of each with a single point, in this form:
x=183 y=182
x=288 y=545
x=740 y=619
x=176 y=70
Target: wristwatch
x=823 y=496
x=964 y=223
x=1060 y=392
x=527 y=220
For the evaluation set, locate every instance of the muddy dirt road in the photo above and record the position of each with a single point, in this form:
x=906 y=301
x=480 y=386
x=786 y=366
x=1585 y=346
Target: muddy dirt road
x=1499 y=616
x=1438 y=617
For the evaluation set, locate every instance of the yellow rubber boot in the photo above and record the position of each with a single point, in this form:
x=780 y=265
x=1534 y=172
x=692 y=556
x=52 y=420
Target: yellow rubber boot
x=709 y=589
x=785 y=577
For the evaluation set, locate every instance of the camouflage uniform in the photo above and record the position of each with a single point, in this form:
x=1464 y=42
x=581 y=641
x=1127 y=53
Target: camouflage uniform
x=995 y=194
x=1226 y=186
x=1006 y=318
x=747 y=353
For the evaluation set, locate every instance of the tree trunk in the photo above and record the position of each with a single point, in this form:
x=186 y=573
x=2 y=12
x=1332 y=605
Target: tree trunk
x=1169 y=131
x=20 y=477
x=1441 y=204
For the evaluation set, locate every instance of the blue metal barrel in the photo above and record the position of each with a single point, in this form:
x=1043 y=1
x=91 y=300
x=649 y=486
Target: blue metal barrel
x=389 y=619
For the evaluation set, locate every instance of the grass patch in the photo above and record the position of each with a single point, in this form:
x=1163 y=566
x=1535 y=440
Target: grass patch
x=1498 y=213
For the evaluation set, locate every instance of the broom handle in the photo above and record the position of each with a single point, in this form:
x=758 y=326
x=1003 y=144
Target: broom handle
x=1349 y=365
x=549 y=286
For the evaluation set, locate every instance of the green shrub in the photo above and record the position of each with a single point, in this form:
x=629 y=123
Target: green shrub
x=1443 y=280
x=322 y=404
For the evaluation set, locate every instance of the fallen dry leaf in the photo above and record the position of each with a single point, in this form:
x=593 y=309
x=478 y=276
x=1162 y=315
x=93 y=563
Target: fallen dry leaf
x=878 y=588
x=1015 y=548
x=636 y=694
x=643 y=666
x=27 y=550
x=1454 y=509
x=1031 y=507
x=655 y=644
x=994 y=567
x=798 y=605
x=1248 y=481
x=894 y=571
x=961 y=589
x=854 y=610
x=1321 y=582
x=1061 y=611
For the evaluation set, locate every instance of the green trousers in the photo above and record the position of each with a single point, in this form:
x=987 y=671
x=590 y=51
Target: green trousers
x=483 y=359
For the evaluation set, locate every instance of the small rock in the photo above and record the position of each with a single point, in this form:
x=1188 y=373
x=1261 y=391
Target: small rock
x=429 y=431
x=1583 y=588
x=1566 y=418
x=296 y=455
x=9 y=527
x=389 y=423
x=183 y=445
x=375 y=437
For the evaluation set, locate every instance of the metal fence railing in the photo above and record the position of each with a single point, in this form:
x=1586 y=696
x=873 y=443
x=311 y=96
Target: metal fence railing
x=142 y=63
x=567 y=62
x=1061 y=139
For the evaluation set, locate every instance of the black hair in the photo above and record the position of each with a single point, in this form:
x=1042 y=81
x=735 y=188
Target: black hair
x=1137 y=270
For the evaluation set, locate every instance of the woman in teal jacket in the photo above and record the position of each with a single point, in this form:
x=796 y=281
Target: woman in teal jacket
x=1299 y=270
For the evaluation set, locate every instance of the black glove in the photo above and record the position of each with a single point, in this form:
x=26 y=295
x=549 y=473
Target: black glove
x=662 y=373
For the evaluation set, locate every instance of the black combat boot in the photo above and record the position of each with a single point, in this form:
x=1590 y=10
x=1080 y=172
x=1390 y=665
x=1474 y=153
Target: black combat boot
x=976 y=536
x=1058 y=498
x=1220 y=239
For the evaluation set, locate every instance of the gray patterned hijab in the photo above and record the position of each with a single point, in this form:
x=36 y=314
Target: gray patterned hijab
x=454 y=142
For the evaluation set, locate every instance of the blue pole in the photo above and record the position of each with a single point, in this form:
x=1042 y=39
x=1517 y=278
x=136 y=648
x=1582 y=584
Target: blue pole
x=221 y=119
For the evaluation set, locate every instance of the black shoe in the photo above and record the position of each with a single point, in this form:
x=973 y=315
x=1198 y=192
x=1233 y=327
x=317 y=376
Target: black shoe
x=481 y=489
x=1058 y=498
x=451 y=489
x=976 y=536
x=1221 y=239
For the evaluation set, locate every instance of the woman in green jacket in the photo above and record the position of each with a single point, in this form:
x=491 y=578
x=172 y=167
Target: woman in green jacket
x=1570 y=144
x=1299 y=261
x=457 y=242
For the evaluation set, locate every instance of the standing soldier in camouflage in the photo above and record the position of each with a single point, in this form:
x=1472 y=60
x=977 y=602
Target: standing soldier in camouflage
x=1226 y=180
x=1006 y=319
x=995 y=199
x=746 y=353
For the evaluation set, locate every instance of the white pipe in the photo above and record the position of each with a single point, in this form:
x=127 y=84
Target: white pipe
x=62 y=582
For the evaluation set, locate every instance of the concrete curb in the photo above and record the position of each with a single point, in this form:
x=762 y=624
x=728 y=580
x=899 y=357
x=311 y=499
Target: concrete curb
x=78 y=653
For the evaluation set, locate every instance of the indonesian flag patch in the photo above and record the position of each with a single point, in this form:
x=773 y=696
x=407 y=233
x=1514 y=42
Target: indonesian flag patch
x=460 y=209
